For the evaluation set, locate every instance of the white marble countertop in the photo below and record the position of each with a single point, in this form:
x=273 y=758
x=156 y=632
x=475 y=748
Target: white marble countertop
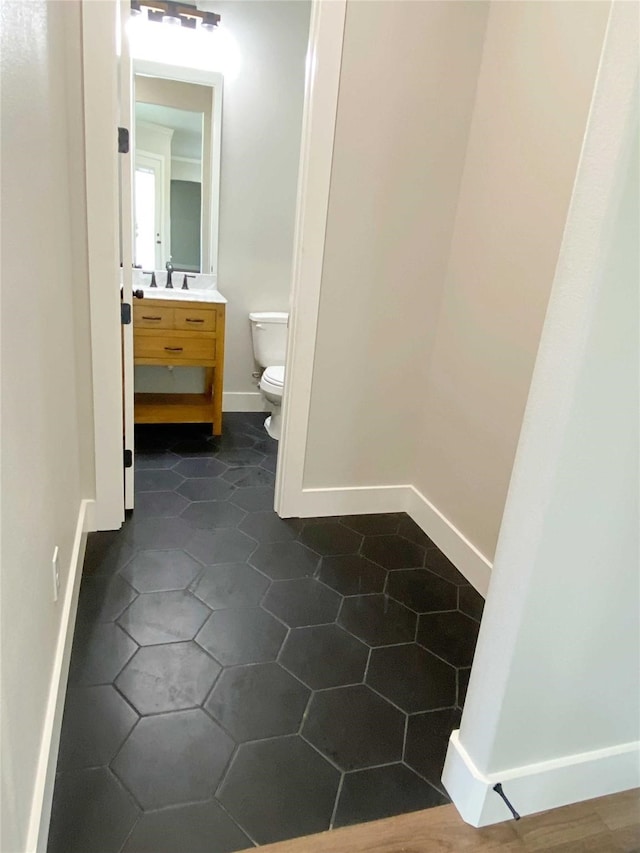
x=191 y=295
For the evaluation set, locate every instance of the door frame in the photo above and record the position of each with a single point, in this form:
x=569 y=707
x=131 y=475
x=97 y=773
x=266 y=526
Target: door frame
x=100 y=66
x=157 y=165
x=100 y=48
x=324 y=62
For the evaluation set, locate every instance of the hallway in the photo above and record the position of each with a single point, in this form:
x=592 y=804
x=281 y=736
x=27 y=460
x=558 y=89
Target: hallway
x=240 y=679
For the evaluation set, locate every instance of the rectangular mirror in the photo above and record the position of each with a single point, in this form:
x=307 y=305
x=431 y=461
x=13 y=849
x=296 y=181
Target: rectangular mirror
x=173 y=199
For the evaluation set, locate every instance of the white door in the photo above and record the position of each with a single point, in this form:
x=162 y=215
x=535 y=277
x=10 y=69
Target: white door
x=126 y=246
x=149 y=213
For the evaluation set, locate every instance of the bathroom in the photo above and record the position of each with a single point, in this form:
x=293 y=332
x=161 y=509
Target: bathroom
x=235 y=674
x=229 y=167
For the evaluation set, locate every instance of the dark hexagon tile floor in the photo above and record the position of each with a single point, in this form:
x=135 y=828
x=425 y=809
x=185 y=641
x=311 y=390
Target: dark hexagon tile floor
x=324 y=656
x=280 y=788
x=258 y=701
x=237 y=678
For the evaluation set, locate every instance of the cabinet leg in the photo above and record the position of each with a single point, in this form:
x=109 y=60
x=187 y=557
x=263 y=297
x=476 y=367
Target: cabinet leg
x=216 y=402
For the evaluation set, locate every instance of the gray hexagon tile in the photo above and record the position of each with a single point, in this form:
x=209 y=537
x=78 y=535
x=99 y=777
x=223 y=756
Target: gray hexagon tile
x=205 y=489
x=161 y=571
x=164 y=617
x=245 y=635
x=382 y=792
x=372 y=525
x=195 y=828
x=331 y=538
x=106 y=552
x=159 y=504
x=267 y=526
x=324 y=656
x=393 y=552
x=412 y=678
x=302 y=601
x=436 y=562
x=220 y=546
x=170 y=677
x=422 y=591
x=209 y=515
x=254 y=498
x=377 y=620
x=285 y=560
x=352 y=574
x=258 y=701
x=230 y=585
x=96 y=722
x=160 y=534
x=103 y=598
x=173 y=758
x=197 y=468
x=243 y=478
x=145 y=459
x=99 y=653
x=156 y=480
x=451 y=636
x=427 y=740
x=91 y=811
x=470 y=602
x=267 y=777
x=240 y=457
x=340 y=721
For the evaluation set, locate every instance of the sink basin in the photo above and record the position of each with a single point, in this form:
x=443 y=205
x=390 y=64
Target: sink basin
x=202 y=287
x=194 y=294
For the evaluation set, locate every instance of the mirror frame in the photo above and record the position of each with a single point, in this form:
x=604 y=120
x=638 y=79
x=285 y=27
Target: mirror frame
x=203 y=78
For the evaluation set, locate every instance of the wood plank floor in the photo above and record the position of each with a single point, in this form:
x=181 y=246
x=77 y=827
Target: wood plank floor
x=606 y=825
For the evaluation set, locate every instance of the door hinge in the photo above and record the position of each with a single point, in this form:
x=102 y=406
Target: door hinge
x=125 y=313
x=123 y=140
x=128 y=458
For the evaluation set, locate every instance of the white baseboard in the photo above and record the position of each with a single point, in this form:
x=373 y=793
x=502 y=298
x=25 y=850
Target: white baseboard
x=351 y=500
x=362 y=500
x=243 y=401
x=40 y=816
x=463 y=554
x=537 y=787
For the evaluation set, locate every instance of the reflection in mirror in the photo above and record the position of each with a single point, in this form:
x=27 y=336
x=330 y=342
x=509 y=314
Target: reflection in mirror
x=168 y=187
x=172 y=181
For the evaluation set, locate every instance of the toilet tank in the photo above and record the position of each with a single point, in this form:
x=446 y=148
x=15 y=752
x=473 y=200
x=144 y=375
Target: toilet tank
x=269 y=337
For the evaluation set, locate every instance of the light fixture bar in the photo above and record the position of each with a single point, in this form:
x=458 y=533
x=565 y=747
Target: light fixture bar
x=188 y=15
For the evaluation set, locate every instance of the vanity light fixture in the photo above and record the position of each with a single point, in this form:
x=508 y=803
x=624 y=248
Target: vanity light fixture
x=172 y=17
x=210 y=21
x=176 y=14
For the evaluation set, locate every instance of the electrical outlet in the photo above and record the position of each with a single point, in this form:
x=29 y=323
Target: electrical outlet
x=56 y=573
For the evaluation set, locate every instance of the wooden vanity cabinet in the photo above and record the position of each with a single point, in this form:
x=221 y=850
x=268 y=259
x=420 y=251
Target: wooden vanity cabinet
x=187 y=334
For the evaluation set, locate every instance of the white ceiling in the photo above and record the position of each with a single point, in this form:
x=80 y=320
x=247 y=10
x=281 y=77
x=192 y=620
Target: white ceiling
x=186 y=125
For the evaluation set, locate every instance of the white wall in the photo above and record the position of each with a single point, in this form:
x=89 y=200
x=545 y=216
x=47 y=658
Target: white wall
x=397 y=164
x=454 y=161
x=556 y=677
x=46 y=404
x=261 y=127
x=534 y=89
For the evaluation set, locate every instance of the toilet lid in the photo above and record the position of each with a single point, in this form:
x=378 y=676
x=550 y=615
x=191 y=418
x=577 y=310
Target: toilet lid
x=274 y=375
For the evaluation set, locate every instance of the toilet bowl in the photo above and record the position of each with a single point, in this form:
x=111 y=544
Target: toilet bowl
x=272 y=386
x=269 y=339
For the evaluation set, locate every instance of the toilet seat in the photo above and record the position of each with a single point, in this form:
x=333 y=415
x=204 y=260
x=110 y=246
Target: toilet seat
x=274 y=376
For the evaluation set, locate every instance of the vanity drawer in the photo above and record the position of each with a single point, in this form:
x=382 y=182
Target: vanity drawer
x=175 y=349
x=194 y=320
x=152 y=316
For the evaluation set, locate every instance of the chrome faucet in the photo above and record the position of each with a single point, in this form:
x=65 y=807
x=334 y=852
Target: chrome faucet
x=169 y=269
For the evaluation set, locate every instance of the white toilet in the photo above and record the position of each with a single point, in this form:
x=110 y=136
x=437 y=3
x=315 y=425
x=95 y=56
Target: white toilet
x=269 y=336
